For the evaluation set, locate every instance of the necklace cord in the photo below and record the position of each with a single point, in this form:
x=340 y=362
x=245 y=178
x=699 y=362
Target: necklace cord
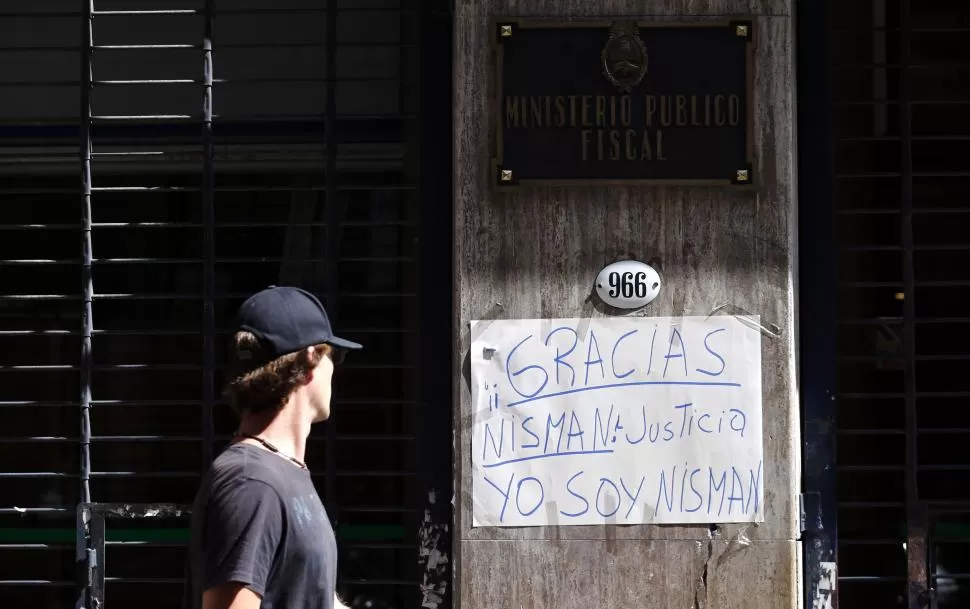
x=272 y=448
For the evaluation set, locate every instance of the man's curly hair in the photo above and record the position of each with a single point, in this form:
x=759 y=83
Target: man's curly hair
x=267 y=387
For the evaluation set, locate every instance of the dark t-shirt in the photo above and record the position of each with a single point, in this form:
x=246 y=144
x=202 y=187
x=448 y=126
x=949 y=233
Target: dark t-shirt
x=258 y=520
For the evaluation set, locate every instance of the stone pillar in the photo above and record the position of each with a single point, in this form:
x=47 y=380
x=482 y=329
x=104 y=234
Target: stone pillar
x=534 y=252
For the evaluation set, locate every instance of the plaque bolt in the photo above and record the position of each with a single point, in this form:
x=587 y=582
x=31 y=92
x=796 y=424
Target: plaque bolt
x=741 y=30
x=742 y=175
x=506 y=31
x=506 y=175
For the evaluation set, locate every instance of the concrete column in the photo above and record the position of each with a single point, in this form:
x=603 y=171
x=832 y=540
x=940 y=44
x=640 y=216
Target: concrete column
x=533 y=253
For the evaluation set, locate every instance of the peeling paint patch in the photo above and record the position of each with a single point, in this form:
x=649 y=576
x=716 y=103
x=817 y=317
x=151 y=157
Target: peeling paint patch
x=824 y=586
x=433 y=556
x=137 y=510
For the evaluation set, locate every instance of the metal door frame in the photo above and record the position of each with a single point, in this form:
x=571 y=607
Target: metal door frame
x=818 y=319
x=438 y=302
x=816 y=306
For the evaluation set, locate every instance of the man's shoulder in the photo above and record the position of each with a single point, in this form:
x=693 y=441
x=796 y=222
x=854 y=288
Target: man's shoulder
x=245 y=465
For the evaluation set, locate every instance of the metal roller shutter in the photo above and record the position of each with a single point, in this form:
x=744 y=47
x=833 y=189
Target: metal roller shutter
x=301 y=168
x=901 y=89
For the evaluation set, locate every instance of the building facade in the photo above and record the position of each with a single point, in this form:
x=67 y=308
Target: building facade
x=159 y=162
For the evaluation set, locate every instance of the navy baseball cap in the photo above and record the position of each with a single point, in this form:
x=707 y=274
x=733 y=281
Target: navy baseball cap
x=285 y=320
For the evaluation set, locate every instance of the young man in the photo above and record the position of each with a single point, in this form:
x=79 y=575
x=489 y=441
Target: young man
x=260 y=536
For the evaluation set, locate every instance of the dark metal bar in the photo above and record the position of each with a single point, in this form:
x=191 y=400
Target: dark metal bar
x=187 y=439
x=174 y=296
x=380 y=582
x=170 y=332
x=339 y=188
x=917 y=525
x=410 y=94
x=225 y=11
x=87 y=254
x=245 y=81
x=147 y=12
x=104 y=367
x=145 y=580
x=138 y=47
x=230 y=45
x=52 y=583
x=208 y=220
x=187 y=402
x=142 y=117
x=922 y=30
x=169 y=81
x=906 y=237
x=194 y=261
x=41 y=15
x=435 y=217
x=169 y=368
x=60 y=48
x=333 y=246
x=347 y=45
x=195 y=474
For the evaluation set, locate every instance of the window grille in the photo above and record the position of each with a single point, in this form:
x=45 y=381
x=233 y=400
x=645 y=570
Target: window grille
x=301 y=167
x=901 y=91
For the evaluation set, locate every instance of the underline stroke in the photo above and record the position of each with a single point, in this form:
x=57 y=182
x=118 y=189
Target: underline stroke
x=620 y=385
x=546 y=456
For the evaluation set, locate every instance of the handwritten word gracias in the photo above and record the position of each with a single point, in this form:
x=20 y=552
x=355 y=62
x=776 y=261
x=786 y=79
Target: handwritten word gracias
x=663 y=360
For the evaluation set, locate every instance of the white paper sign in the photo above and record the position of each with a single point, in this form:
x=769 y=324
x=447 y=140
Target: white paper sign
x=617 y=420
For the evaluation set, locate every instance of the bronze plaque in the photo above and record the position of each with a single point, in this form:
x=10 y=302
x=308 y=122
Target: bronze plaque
x=623 y=102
